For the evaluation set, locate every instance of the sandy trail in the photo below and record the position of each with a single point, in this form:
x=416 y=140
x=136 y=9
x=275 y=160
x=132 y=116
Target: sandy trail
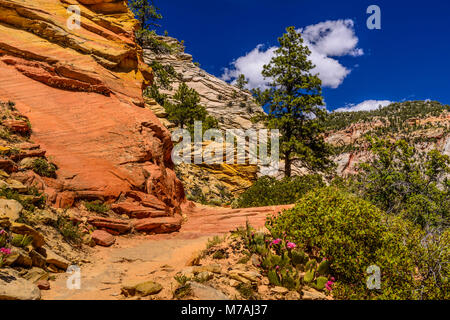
x=137 y=258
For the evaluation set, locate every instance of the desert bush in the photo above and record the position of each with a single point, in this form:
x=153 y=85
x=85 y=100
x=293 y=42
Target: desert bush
x=44 y=168
x=96 y=206
x=68 y=230
x=352 y=234
x=268 y=191
x=28 y=203
x=402 y=181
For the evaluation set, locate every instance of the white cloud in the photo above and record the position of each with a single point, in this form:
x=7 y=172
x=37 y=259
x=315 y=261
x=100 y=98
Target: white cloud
x=251 y=65
x=325 y=40
x=367 y=105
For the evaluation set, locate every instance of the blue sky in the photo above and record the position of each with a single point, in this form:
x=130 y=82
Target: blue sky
x=408 y=59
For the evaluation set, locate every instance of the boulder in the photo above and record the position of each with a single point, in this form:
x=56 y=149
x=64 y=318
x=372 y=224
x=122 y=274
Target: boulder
x=43 y=285
x=118 y=225
x=21 y=228
x=54 y=259
x=279 y=290
x=17 y=185
x=204 y=292
x=142 y=289
x=37 y=259
x=12 y=287
x=204 y=276
x=10 y=208
x=158 y=225
x=35 y=274
x=18 y=257
x=103 y=238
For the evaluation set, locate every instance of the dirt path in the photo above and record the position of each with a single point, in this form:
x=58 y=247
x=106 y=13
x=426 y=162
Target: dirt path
x=138 y=258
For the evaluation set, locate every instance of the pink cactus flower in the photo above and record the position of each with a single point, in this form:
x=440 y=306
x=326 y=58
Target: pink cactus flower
x=276 y=241
x=291 y=245
x=5 y=251
x=329 y=285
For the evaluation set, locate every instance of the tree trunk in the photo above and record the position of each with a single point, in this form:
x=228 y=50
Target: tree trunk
x=287 y=166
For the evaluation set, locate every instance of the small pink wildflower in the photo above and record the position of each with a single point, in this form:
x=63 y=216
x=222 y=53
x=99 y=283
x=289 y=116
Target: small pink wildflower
x=329 y=285
x=291 y=245
x=5 y=251
x=2 y=231
x=276 y=241
x=277 y=267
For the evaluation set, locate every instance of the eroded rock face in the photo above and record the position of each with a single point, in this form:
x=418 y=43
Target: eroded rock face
x=81 y=90
x=232 y=107
x=434 y=135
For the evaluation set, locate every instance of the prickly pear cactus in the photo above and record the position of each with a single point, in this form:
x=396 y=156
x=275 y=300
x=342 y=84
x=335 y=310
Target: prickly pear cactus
x=311 y=265
x=309 y=276
x=324 y=268
x=320 y=283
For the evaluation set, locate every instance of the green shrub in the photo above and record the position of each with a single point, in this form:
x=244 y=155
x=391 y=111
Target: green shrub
x=246 y=291
x=44 y=169
x=405 y=182
x=28 y=203
x=268 y=191
x=96 y=206
x=68 y=230
x=352 y=234
x=22 y=241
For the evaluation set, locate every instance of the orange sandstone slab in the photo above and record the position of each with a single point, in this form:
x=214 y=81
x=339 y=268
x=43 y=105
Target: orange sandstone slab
x=81 y=90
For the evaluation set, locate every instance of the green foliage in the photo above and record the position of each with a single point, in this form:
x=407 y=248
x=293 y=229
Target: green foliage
x=153 y=92
x=246 y=291
x=219 y=254
x=44 y=168
x=214 y=241
x=295 y=100
x=145 y=12
x=241 y=82
x=268 y=191
x=186 y=109
x=394 y=115
x=29 y=203
x=96 y=206
x=298 y=257
x=351 y=233
x=320 y=283
x=309 y=276
x=21 y=241
x=404 y=182
x=323 y=268
x=181 y=279
x=273 y=277
x=164 y=75
x=68 y=230
x=183 y=291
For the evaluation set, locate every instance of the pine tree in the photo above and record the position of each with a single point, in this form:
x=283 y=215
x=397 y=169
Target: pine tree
x=187 y=109
x=241 y=82
x=146 y=12
x=295 y=99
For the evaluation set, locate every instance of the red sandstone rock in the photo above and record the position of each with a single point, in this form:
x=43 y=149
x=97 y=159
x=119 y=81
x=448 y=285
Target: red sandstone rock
x=103 y=238
x=113 y=224
x=158 y=225
x=18 y=126
x=134 y=210
x=147 y=200
x=81 y=90
x=43 y=285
